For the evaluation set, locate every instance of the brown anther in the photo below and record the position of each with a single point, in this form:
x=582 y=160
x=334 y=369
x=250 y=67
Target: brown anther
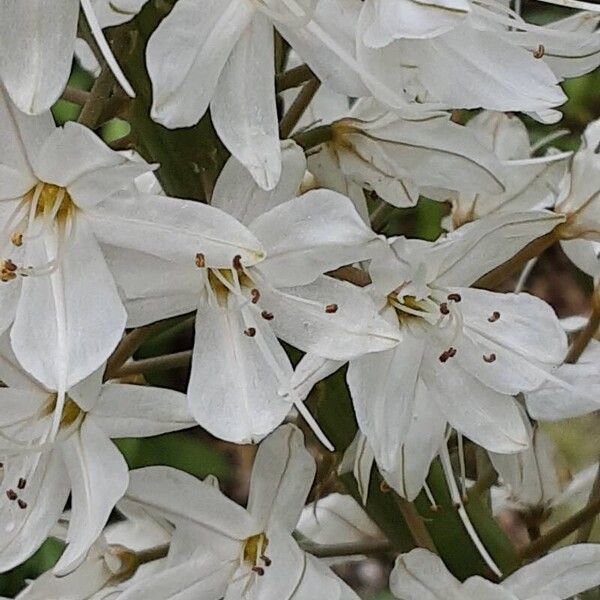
x=200 y=260
x=268 y=562
x=22 y=504
x=237 y=262
x=250 y=332
x=9 y=265
x=11 y=494
x=266 y=315
x=255 y=295
x=384 y=488
x=539 y=53
x=455 y=297
x=489 y=359
x=444 y=308
x=494 y=316
x=16 y=239
x=451 y=352
x=331 y=308
x=22 y=483
x=444 y=356
x=259 y=571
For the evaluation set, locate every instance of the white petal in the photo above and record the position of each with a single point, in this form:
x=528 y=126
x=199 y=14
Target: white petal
x=76 y=158
x=309 y=235
x=174 y=229
x=563 y=573
x=584 y=254
x=238 y=194
x=383 y=387
x=36 y=50
x=301 y=319
x=282 y=476
x=478 y=587
x=421 y=575
x=196 y=37
x=235 y=389
x=46 y=493
x=69 y=322
x=184 y=498
x=116 y=12
x=98 y=475
x=243 y=108
x=140 y=411
x=309 y=371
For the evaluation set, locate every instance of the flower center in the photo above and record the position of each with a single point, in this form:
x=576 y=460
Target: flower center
x=71 y=412
x=253 y=553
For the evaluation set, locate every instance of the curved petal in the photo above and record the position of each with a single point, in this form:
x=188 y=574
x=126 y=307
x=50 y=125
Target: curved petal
x=282 y=476
x=98 y=474
x=36 y=50
x=243 y=107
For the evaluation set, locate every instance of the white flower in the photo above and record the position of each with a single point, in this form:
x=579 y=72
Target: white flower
x=239 y=382
x=220 y=53
x=221 y=550
x=111 y=563
x=41 y=469
x=57 y=204
x=421 y=575
x=37 y=42
x=377 y=149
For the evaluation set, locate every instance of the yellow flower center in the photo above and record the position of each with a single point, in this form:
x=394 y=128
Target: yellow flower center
x=254 y=550
x=71 y=411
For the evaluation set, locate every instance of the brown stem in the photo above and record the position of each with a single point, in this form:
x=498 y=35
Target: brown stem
x=581 y=341
x=75 y=95
x=313 y=137
x=347 y=549
x=492 y=279
x=92 y=110
x=296 y=110
x=293 y=78
x=584 y=532
x=352 y=274
x=155 y=363
x=415 y=524
x=561 y=531
x=151 y=554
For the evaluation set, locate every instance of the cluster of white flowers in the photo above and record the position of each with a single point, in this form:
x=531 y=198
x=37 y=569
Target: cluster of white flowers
x=94 y=253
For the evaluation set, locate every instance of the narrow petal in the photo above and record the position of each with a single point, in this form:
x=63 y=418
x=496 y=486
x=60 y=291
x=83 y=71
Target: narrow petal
x=175 y=230
x=282 y=476
x=309 y=235
x=140 y=411
x=243 y=108
x=198 y=38
x=236 y=384
x=98 y=474
x=238 y=194
x=35 y=66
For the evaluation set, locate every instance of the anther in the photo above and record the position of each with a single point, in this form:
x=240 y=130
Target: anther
x=489 y=359
x=444 y=308
x=237 y=262
x=22 y=504
x=200 y=260
x=16 y=239
x=494 y=316
x=266 y=315
x=250 y=332
x=444 y=356
x=22 y=483
x=451 y=352
x=11 y=494
x=384 y=488
x=255 y=295
x=539 y=53
x=259 y=571
x=9 y=265
x=331 y=308
x=268 y=562
x=455 y=297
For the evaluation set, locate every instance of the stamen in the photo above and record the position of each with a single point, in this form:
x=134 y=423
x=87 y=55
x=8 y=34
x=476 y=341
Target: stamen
x=444 y=356
x=489 y=359
x=434 y=505
x=11 y=494
x=16 y=239
x=444 y=308
x=494 y=317
x=455 y=297
x=268 y=562
x=255 y=295
x=451 y=352
x=539 y=53
x=259 y=571
x=331 y=308
x=237 y=262
x=250 y=332
x=384 y=488
x=266 y=315
x=22 y=483
x=200 y=260
x=22 y=504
